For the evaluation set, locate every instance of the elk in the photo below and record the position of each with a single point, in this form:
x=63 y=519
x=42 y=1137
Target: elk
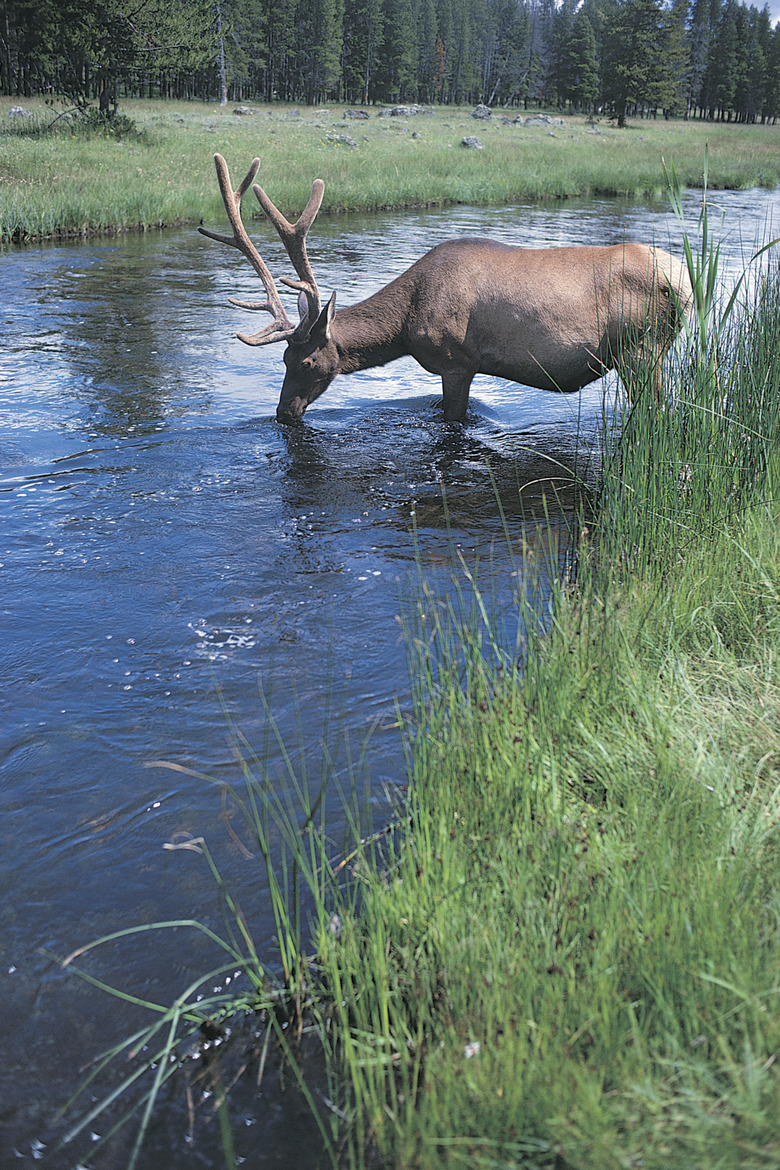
x=551 y=318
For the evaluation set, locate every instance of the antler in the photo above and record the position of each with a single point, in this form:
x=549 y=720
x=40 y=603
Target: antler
x=293 y=236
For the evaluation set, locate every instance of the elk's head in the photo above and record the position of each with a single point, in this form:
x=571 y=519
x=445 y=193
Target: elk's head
x=311 y=361
x=311 y=358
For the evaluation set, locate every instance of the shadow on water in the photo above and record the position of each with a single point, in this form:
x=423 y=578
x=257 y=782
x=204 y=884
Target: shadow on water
x=408 y=455
x=173 y=563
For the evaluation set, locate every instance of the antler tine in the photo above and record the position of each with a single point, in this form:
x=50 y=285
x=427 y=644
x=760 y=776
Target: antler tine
x=281 y=327
x=293 y=236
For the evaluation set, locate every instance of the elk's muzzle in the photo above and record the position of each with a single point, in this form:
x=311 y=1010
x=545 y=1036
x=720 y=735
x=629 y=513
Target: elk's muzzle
x=291 y=412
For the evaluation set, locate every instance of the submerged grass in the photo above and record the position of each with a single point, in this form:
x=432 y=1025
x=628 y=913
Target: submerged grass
x=566 y=952
x=290 y=838
x=68 y=184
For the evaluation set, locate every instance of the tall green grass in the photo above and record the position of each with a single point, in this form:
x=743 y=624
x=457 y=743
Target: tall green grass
x=680 y=469
x=565 y=951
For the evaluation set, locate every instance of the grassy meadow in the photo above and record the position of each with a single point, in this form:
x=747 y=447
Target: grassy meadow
x=76 y=183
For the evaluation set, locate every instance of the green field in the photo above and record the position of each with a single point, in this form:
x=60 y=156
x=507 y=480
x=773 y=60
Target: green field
x=74 y=183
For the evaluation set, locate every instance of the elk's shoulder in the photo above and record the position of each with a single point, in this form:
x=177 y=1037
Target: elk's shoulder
x=469 y=245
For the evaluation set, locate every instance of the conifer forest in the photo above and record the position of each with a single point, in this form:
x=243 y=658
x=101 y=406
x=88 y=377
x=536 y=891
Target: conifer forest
x=711 y=59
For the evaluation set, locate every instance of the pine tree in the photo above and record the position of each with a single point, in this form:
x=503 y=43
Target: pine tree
x=670 y=85
x=424 y=16
x=771 y=107
x=86 y=51
x=539 y=48
x=363 y=43
x=241 y=47
x=601 y=15
x=397 y=72
x=466 y=69
x=752 y=72
x=515 y=87
x=500 y=36
x=279 y=76
x=637 y=74
x=562 y=22
x=580 y=66
x=721 y=75
x=319 y=30
x=445 y=44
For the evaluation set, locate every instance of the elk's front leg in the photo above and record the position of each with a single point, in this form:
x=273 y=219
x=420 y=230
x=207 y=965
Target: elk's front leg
x=455 y=388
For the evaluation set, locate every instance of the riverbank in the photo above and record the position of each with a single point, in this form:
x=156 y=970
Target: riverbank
x=70 y=184
x=571 y=957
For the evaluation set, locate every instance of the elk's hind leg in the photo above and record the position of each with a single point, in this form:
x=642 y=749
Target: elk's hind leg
x=455 y=387
x=640 y=358
x=641 y=375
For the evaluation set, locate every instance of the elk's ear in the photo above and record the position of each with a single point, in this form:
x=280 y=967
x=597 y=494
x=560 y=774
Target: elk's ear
x=303 y=308
x=320 y=330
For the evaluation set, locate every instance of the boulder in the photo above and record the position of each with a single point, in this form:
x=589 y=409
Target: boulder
x=403 y=111
x=342 y=140
x=541 y=120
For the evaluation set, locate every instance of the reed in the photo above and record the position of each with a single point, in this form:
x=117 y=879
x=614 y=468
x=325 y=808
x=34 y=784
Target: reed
x=76 y=183
x=680 y=469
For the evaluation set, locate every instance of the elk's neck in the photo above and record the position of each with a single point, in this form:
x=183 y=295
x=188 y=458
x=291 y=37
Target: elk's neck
x=373 y=332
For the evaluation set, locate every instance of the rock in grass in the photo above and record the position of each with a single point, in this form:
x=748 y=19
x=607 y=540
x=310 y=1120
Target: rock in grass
x=403 y=111
x=342 y=140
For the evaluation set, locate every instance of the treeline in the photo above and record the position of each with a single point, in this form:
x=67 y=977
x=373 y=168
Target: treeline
x=707 y=58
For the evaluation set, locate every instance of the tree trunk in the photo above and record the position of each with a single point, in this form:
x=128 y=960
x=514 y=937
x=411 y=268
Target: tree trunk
x=223 y=96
